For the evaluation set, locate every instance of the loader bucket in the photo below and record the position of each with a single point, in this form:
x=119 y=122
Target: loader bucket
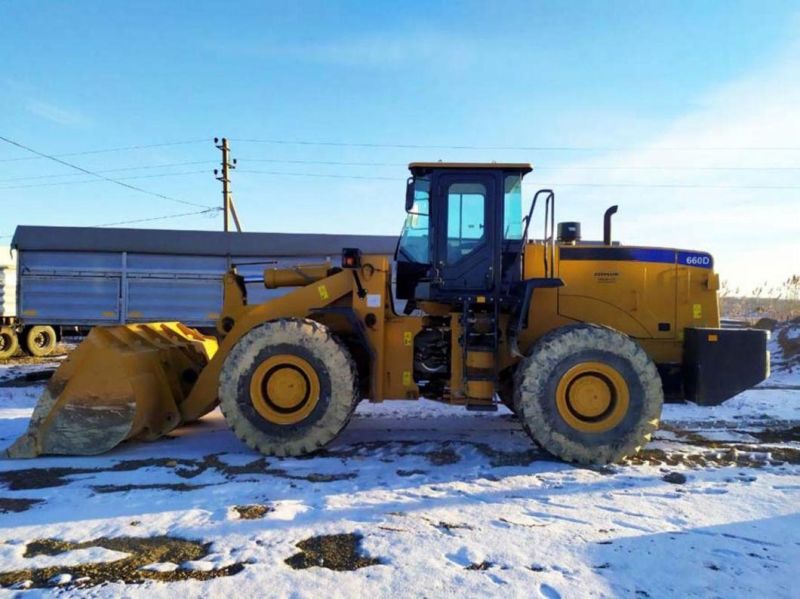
x=121 y=382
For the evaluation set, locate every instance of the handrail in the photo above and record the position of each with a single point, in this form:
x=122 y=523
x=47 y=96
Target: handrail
x=528 y=219
x=549 y=240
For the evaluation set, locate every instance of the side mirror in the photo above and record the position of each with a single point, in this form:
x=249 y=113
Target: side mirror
x=409 y=194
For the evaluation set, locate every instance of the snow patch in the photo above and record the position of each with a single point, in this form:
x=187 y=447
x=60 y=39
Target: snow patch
x=161 y=567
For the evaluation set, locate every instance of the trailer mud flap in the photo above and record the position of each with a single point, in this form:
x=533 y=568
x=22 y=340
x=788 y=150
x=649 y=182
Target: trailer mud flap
x=122 y=382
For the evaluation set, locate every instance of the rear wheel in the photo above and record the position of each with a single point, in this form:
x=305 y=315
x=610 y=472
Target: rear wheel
x=588 y=394
x=9 y=344
x=288 y=387
x=39 y=341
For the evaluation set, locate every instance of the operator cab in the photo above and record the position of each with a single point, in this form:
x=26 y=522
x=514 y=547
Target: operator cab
x=463 y=232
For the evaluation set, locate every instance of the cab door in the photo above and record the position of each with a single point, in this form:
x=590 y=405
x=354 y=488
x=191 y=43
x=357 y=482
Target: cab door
x=465 y=232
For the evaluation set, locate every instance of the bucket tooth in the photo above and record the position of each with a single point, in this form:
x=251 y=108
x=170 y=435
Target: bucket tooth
x=122 y=382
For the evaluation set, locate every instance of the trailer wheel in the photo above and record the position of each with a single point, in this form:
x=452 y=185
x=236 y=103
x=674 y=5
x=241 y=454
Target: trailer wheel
x=9 y=344
x=288 y=387
x=588 y=394
x=39 y=341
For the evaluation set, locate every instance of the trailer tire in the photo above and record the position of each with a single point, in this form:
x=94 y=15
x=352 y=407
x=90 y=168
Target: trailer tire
x=288 y=387
x=39 y=340
x=9 y=343
x=588 y=394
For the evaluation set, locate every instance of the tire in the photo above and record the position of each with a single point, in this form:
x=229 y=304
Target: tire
x=39 y=341
x=9 y=343
x=588 y=394
x=315 y=387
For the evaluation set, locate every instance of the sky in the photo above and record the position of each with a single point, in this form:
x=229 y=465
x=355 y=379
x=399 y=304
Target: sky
x=682 y=113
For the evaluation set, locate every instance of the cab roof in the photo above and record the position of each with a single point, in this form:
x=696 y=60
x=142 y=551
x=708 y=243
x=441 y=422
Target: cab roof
x=520 y=167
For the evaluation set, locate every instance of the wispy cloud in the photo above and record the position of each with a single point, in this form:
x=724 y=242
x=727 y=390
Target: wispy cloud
x=55 y=114
x=387 y=50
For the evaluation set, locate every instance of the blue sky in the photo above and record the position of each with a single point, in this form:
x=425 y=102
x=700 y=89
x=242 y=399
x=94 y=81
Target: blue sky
x=642 y=85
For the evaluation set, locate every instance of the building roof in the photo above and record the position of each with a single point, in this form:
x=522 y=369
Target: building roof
x=194 y=243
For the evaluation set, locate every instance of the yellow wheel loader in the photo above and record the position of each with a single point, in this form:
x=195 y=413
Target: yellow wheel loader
x=581 y=340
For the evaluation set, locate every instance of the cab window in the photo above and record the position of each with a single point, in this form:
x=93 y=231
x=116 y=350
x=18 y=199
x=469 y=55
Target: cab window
x=414 y=245
x=512 y=207
x=466 y=212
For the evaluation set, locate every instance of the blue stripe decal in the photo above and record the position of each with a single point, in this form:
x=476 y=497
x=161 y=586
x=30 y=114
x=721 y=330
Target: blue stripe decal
x=652 y=255
x=659 y=255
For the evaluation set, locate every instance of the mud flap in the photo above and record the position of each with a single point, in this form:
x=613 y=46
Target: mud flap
x=121 y=383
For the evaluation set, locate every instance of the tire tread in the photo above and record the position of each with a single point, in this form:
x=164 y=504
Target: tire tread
x=531 y=376
x=317 y=339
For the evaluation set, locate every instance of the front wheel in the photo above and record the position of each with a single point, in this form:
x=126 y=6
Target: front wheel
x=288 y=387
x=588 y=394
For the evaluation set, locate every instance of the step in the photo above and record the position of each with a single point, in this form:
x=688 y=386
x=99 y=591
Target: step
x=484 y=347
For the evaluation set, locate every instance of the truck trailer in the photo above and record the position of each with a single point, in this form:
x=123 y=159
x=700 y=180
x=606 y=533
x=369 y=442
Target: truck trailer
x=59 y=278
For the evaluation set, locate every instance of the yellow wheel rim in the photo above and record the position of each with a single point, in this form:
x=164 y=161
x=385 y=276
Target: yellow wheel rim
x=284 y=389
x=592 y=397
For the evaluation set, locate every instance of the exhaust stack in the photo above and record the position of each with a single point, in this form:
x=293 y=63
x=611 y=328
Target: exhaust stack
x=607 y=224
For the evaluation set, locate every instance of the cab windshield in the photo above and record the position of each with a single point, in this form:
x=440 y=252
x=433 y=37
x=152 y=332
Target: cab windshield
x=414 y=246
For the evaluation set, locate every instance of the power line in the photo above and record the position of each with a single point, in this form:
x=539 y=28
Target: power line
x=146 y=220
x=538 y=168
x=668 y=168
x=323 y=162
x=99 y=176
x=330 y=176
x=109 y=150
x=678 y=186
x=165 y=217
x=562 y=184
x=84 y=181
x=110 y=170
x=375 y=164
x=298 y=142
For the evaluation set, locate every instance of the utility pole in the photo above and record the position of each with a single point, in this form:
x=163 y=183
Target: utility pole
x=228 y=207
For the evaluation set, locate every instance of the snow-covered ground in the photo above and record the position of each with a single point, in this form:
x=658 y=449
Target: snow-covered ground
x=415 y=499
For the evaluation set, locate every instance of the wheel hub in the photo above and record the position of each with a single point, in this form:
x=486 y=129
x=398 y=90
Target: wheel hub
x=284 y=389
x=589 y=396
x=592 y=397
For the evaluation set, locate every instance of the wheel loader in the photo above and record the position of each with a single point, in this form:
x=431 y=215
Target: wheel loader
x=582 y=340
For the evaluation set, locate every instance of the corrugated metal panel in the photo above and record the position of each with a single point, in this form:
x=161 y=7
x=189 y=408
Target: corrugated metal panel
x=54 y=262
x=8 y=291
x=156 y=264
x=195 y=302
x=69 y=300
x=8 y=283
